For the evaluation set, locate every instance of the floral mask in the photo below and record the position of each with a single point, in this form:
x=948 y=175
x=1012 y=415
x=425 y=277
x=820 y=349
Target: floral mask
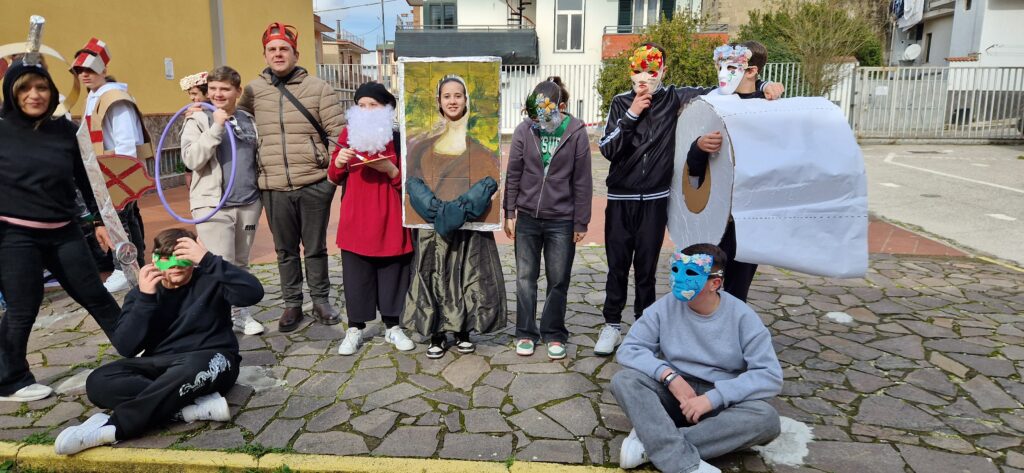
x=732 y=62
x=646 y=67
x=543 y=111
x=690 y=273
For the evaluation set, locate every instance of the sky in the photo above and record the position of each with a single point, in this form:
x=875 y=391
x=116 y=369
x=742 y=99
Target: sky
x=362 y=17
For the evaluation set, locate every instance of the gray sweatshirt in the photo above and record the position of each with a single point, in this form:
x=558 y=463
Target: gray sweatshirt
x=730 y=348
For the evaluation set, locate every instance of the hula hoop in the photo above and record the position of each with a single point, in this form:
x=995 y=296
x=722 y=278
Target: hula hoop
x=156 y=166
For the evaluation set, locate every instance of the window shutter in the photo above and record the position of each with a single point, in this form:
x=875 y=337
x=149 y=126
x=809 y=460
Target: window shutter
x=625 y=15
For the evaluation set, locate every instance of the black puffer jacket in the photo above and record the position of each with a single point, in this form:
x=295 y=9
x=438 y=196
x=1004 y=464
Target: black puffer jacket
x=40 y=163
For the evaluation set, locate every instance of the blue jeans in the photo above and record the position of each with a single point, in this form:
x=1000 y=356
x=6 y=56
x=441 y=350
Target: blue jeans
x=555 y=239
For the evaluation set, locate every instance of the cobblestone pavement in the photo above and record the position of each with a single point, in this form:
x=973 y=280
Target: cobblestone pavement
x=924 y=374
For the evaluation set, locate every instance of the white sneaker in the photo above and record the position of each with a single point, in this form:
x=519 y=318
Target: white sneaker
x=243 y=322
x=117 y=282
x=33 y=392
x=353 y=338
x=609 y=338
x=209 y=407
x=632 y=453
x=705 y=467
x=396 y=337
x=92 y=433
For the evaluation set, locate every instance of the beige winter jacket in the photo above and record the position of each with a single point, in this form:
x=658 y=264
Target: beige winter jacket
x=291 y=154
x=199 y=142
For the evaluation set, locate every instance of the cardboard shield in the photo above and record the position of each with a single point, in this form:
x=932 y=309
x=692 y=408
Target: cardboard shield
x=126 y=179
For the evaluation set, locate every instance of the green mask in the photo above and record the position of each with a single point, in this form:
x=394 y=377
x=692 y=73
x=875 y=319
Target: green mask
x=168 y=262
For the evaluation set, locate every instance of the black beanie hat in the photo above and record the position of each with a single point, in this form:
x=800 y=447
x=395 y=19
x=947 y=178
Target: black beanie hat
x=376 y=92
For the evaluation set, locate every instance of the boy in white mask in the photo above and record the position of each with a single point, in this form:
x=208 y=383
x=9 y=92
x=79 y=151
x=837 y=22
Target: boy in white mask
x=738 y=68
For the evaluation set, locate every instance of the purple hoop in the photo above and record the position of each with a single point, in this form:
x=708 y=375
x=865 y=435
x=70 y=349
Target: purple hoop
x=156 y=166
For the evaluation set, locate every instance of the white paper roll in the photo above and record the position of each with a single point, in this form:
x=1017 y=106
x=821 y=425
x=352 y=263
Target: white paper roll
x=703 y=218
x=798 y=191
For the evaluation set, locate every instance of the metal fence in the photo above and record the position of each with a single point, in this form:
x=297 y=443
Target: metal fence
x=935 y=103
x=958 y=103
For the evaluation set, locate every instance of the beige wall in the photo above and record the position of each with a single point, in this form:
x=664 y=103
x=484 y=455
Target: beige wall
x=141 y=33
x=732 y=12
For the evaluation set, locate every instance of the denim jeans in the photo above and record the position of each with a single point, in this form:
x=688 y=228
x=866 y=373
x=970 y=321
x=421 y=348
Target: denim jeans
x=673 y=444
x=24 y=252
x=555 y=239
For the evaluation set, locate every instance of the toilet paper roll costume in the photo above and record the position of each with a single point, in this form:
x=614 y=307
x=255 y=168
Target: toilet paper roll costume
x=791 y=175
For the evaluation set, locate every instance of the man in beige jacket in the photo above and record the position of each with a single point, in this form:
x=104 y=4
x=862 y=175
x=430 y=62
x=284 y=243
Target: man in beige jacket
x=293 y=171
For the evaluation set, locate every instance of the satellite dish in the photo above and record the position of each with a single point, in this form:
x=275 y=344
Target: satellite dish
x=912 y=52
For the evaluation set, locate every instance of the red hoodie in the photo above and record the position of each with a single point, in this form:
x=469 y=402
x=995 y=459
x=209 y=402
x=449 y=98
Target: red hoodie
x=370 y=222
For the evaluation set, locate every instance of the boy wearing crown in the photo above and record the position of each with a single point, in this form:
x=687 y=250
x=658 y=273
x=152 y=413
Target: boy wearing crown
x=698 y=369
x=115 y=127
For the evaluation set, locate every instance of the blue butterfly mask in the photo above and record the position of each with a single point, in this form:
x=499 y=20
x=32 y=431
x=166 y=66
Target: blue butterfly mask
x=690 y=273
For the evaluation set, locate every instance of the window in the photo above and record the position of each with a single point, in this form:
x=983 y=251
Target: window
x=928 y=48
x=441 y=15
x=648 y=12
x=569 y=25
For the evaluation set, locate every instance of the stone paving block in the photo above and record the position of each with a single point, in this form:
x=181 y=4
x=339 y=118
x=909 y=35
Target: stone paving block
x=368 y=381
x=889 y=412
x=430 y=383
x=332 y=417
x=465 y=371
x=988 y=395
x=322 y=385
x=843 y=457
x=536 y=424
x=986 y=366
x=331 y=443
x=61 y=413
x=411 y=407
x=476 y=447
x=561 y=451
x=376 y=423
x=932 y=380
x=449 y=397
x=498 y=378
x=922 y=459
x=410 y=442
x=253 y=420
x=217 y=439
x=948 y=364
x=529 y=390
x=915 y=394
x=301 y=406
x=577 y=415
x=484 y=421
x=279 y=433
x=487 y=396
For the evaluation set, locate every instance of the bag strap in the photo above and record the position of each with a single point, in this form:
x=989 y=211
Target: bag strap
x=324 y=137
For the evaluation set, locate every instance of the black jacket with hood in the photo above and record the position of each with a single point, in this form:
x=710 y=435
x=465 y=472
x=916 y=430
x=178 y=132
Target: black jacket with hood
x=564 y=191
x=40 y=162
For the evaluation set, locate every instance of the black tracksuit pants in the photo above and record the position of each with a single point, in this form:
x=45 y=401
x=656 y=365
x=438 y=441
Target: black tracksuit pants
x=375 y=284
x=147 y=391
x=634 y=231
x=738 y=275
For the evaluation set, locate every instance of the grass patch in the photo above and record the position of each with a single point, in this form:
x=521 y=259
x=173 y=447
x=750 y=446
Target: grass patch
x=39 y=438
x=256 y=450
x=7 y=466
x=510 y=460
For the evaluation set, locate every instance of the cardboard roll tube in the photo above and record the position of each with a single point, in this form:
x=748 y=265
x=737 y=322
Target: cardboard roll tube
x=789 y=174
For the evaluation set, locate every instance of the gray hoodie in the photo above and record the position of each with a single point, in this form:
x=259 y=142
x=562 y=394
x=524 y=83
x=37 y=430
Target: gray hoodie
x=564 y=190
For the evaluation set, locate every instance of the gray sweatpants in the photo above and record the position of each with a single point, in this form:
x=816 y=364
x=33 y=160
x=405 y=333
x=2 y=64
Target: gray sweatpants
x=673 y=444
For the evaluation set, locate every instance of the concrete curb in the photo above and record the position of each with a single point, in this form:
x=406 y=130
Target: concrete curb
x=142 y=460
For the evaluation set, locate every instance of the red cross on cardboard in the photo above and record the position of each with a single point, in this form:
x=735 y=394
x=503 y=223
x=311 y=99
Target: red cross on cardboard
x=126 y=177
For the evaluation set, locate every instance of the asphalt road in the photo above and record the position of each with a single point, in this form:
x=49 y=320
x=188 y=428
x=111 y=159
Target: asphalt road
x=970 y=195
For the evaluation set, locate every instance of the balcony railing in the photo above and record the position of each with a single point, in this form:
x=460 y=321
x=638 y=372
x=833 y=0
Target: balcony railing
x=640 y=29
x=345 y=35
x=411 y=27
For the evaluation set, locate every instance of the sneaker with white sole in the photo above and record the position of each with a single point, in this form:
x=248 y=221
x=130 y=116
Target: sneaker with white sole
x=92 y=433
x=243 y=321
x=117 y=282
x=32 y=392
x=525 y=347
x=397 y=337
x=209 y=407
x=632 y=453
x=353 y=339
x=609 y=338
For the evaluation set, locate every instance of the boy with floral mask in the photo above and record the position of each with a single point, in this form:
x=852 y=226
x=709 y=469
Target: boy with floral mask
x=705 y=396
x=738 y=68
x=548 y=192
x=639 y=140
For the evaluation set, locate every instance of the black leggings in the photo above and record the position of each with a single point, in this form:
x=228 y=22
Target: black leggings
x=147 y=391
x=24 y=253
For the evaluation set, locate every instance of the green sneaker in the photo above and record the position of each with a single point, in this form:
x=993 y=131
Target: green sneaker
x=524 y=347
x=556 y=351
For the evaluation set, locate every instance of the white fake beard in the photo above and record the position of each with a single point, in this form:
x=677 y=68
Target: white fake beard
x=370 y=130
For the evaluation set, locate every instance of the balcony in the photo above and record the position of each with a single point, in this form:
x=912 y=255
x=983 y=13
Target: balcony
x=938 y=8
x=516 y=45
x=618 y=38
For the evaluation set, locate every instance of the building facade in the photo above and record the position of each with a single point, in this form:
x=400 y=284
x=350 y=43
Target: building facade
x=981 y=33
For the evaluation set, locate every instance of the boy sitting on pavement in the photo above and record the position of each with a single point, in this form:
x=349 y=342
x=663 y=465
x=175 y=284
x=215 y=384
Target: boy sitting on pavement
x=705 y=396
x=179 y=319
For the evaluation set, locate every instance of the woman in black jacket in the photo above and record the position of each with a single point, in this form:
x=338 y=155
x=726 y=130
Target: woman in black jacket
x=548 y=191
x=40 y=168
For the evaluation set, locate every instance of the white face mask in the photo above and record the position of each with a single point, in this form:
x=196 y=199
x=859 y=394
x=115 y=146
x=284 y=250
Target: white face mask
x=650 y=81
x=730 y=74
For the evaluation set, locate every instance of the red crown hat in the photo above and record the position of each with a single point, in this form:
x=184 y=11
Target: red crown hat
x=277 y=30
x=93 y=56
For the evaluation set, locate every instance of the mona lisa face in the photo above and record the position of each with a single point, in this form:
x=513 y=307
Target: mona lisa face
x=453 y=100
